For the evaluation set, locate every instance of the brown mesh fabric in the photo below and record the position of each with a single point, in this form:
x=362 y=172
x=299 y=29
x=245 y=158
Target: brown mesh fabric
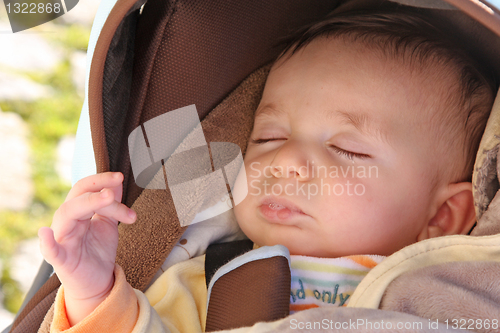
x=31 y=317
x=116 y=83
x=96 y=86
x=254 y=292
x=190 y=52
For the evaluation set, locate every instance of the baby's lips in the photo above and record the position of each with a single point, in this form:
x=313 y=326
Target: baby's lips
x=279 y=203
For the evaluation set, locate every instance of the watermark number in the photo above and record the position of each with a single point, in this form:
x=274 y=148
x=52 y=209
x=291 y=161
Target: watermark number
x=33 y=8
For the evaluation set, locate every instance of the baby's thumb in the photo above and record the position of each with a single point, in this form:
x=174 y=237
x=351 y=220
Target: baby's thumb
x=48 y=244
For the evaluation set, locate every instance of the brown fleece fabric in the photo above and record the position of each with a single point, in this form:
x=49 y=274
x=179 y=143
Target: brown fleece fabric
x=144 y=245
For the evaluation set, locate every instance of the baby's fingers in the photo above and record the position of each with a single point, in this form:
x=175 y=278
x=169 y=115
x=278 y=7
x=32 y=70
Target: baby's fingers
x=82 y=207
x=118 y=212
x=69 y=218
x=51 y=251
x=96 y=183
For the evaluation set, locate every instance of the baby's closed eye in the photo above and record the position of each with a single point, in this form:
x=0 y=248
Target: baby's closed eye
x=350 y=155
x=260 y=141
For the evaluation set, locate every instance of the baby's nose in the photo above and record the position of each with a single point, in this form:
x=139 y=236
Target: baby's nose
x=301 y=172
x=293 y=159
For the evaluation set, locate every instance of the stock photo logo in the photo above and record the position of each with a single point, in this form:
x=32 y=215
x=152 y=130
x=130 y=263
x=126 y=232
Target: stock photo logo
x=28 y=14
x=171 y=148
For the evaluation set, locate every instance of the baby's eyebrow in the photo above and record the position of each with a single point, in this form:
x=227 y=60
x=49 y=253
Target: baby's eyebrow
x=268 y=109
x=361 y=122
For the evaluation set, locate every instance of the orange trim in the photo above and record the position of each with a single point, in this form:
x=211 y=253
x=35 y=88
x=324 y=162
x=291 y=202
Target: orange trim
x=363 y=261
x=300 y=307
x=119 y=312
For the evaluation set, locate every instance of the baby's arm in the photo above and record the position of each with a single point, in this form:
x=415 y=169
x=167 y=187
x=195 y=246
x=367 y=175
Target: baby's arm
x=82 y=241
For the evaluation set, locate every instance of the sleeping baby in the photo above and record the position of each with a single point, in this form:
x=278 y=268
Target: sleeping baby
x=363 y=143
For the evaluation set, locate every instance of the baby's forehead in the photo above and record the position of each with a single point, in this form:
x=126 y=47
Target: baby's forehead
x=411 y=59
x=437 y=79
x=423 y=102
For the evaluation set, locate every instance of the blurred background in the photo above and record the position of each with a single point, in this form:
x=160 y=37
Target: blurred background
x=42 y=77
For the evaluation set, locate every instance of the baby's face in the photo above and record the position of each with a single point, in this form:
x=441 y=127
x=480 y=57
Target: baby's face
x=340 y=160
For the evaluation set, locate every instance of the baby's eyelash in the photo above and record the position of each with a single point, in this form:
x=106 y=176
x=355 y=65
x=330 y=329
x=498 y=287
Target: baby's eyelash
x=259 y=141
x=345 y=153
x=349 y=154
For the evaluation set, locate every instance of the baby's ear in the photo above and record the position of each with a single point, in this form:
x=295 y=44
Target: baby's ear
x=456 y=214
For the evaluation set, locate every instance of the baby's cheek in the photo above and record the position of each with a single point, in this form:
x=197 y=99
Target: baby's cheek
x=369 y=201
x=239 y=213
x=250 y=227
x=361 y=191
x=239 y=210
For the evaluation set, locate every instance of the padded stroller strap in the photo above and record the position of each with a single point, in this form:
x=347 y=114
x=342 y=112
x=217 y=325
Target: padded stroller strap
x=219 y=254
x=253 y=287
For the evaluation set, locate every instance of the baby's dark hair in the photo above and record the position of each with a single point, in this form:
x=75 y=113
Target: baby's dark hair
x=416 y=41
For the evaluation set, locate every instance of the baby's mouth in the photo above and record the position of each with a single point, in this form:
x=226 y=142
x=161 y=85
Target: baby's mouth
x=278 y=209
x=281 y=211
x=276 y=206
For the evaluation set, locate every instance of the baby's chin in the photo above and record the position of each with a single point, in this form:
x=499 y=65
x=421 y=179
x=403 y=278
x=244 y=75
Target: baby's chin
x=315 y=251
x=298 y=250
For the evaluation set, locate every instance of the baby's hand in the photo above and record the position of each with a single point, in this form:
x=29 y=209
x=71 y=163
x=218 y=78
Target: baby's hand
x=82 y=241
